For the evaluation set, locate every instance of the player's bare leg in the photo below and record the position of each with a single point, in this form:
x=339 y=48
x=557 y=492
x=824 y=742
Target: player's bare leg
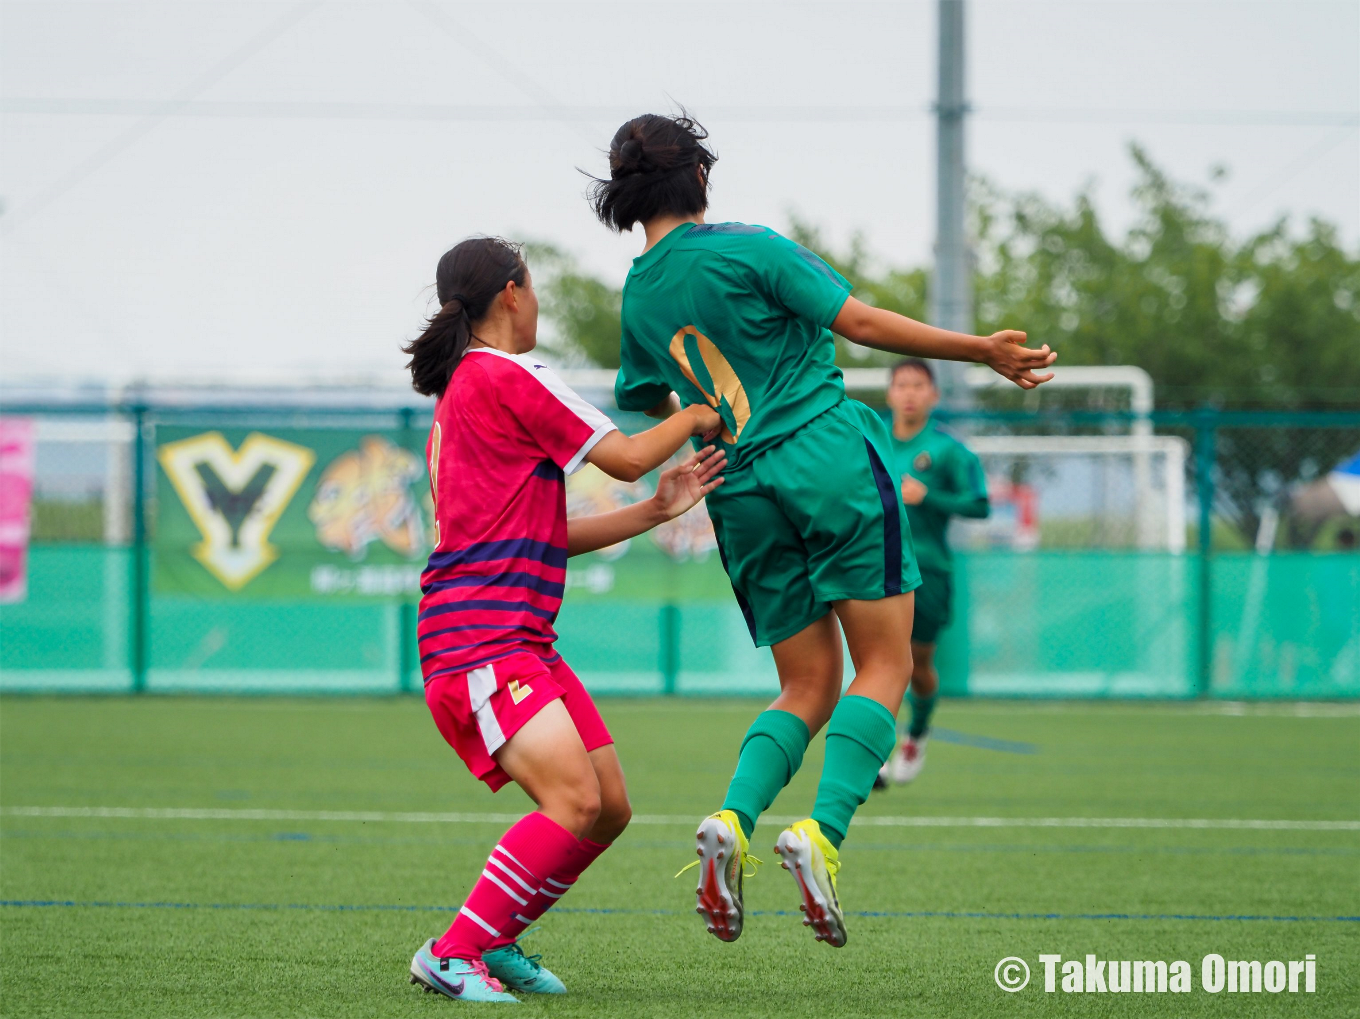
x=910 y=758
x=615 y=810
x=861 y=734
x=809 y=666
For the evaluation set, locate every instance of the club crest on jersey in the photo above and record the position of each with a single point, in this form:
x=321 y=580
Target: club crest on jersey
x=922 y=461
x=235 y=497
x=517 y=692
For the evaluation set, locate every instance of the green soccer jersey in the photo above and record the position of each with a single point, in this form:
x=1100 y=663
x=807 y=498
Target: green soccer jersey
x=955 y=486
x=735 y=316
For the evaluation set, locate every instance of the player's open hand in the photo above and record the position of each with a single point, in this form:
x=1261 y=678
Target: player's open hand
x=1008 y=356
x=681 y=487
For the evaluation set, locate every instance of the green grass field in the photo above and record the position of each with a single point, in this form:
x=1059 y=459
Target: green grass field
x=291 y=916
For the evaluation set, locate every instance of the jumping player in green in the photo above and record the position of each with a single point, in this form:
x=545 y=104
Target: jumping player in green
x=940 y=477
x=810 y=523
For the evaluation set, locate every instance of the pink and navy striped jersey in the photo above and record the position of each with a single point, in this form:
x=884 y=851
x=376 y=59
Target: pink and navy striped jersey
x=506 y=433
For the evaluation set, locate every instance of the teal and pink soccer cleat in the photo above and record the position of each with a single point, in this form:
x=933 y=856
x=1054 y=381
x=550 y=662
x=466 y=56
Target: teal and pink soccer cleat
x=459 y=979
x=521 y=972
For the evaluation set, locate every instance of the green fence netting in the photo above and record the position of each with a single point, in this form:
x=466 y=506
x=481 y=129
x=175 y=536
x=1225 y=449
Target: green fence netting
x=278 y=550
x=1090 y=624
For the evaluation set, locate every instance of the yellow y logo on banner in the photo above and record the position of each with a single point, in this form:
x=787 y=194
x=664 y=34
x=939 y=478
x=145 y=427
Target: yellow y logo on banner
x=235 y=497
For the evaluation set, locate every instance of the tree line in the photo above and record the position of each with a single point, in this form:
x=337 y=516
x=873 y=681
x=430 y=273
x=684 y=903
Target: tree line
x=1271 y=320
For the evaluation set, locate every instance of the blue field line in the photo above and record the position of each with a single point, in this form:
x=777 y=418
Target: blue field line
x=964 y=739
x=868 y=914
x=306 y=838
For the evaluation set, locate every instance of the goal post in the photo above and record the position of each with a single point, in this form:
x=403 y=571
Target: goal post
x=1129 y=489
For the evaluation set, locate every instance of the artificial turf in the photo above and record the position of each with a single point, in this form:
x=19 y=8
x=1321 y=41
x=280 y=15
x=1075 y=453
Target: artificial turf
x=237 y=917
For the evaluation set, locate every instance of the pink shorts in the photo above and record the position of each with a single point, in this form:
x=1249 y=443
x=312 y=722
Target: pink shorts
x=477 y=711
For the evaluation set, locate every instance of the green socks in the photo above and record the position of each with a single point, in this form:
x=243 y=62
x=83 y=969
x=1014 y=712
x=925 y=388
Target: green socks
x=921 y=707
x=859 y=738
x=770 y=755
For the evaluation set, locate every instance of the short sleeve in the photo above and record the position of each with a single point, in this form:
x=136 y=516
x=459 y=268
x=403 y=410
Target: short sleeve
x=797 y=280
x=565 y=426
x=639 y=385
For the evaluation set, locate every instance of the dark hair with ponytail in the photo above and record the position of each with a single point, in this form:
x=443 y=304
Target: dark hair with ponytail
x=657 y=166
x=468 y=278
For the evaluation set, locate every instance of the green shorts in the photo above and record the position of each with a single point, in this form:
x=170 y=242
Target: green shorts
x=934 y=606
x=813 y=520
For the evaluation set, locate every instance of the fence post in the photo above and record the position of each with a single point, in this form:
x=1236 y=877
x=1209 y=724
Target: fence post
x=407 y=634
x=1206 y=429
x=140 y=609
x=670 y=647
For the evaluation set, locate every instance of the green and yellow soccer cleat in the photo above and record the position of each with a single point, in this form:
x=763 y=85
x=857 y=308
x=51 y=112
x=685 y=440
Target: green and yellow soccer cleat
x=814 y=863
x=723 y=856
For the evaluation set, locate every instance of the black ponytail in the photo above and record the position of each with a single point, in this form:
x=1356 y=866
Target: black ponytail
x=468 y=278
x=657 y=166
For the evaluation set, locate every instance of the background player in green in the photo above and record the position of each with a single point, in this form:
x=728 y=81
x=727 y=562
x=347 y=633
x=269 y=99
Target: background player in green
x=940 y=478
x=810 y=523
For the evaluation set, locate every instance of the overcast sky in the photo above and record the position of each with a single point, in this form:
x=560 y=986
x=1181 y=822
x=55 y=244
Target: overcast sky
x=282 y=218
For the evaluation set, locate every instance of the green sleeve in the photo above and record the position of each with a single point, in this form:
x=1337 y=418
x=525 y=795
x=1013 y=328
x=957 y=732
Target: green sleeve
x=639 y=385
x=966 y=494
x=792 y=277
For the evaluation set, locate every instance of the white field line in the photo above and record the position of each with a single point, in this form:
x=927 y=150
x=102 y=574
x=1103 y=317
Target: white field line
x=365 y=816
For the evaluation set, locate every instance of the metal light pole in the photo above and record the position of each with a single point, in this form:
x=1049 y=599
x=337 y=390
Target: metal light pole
x=952 y=291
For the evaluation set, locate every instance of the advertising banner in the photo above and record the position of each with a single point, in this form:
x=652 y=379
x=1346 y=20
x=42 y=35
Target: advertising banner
x=292 y=513
x=16 y=505
x=345 y=513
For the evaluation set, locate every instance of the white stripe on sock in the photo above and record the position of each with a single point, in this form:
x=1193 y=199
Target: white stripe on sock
x=510 y=856
x=551 y=895
x=558 y=884
x=518 y=880
x=479 y=921
x=503 y=886
x=521 y=919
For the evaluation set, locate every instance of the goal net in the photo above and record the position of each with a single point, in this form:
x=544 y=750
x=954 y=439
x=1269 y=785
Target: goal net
x=1080 y=491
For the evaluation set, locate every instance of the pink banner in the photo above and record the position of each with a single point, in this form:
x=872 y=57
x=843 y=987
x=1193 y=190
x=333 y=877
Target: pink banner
x=16 y=502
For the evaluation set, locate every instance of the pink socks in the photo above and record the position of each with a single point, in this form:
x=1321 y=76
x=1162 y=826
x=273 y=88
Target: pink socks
x=535 y=863
x=552 y=889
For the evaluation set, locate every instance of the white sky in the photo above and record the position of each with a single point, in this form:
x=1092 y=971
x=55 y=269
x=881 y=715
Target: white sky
x=284 y=222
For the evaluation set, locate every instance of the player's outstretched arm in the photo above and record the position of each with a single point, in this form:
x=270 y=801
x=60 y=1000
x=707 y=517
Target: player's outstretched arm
x=1003 y=352
x=629 y=457
x=677 y=490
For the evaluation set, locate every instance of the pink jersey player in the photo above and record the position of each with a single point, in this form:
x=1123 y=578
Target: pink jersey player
x=506 y=433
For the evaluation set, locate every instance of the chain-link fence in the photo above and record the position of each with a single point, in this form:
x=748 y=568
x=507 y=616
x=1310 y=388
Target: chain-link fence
x=273 y=548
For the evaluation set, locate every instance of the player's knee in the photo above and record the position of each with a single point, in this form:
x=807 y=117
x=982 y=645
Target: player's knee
x=575 y=805
x=821 y=700
x=924 y=687
x=587 y=807
x=615 y=813
x=924 y=679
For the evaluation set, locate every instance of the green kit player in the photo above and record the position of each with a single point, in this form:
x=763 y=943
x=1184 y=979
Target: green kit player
x=940 y=478
x=810 y=523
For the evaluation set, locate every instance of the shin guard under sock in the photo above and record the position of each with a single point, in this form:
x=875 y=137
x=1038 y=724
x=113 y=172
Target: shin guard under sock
x=552 y=889
x=534 y=847
x=859 y=739
x=770 y=755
